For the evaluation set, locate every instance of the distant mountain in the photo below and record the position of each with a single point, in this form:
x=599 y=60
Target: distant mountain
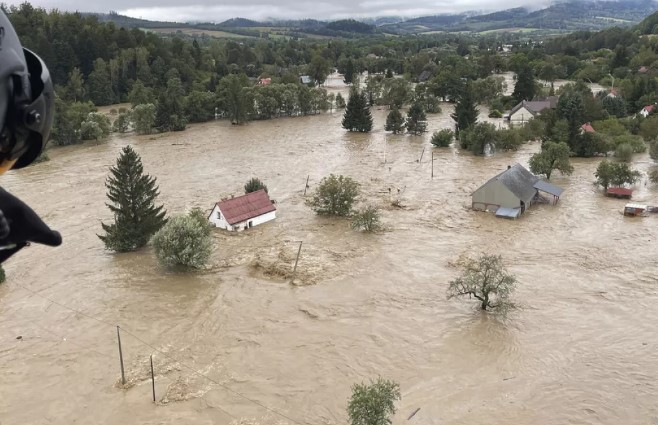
x=350 y=25
x=239 y=23
x=568 y=15
x=128 y=22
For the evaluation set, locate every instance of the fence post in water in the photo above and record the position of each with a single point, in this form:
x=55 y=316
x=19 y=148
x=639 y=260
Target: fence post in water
x=432 y=163
x=123 y=374
x=306 y=187
x=294 y=270
x=152 y=379
x=421 y=156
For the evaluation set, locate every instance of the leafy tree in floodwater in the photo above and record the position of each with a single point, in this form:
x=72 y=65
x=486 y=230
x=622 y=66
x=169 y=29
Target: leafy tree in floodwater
x=253 y=185
x=374 y=403
x=486 y=279
x=132 y=196
x=335 y=196
x=184 y=241
x=553 y=156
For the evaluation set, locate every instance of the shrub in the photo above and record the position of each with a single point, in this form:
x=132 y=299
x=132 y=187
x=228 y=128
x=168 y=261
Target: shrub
x=508 y=139
x=367 y=219
x=373 y=404
x=122 y=110
x=495 y=114
x=254 y=185
x=653 y=175
x=335 y=196
x=113 y=111
x=2 y=275
x=443 y=138
x=624 y=152
x=184 y=241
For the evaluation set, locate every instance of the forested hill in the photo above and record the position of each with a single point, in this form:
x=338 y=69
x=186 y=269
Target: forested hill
x=571 y=15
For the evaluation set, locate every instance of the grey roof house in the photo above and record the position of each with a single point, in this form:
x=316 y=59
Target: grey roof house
x=530 y=109
x=511 y=192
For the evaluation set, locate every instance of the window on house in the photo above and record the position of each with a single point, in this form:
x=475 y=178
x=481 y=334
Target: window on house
x=219 y=215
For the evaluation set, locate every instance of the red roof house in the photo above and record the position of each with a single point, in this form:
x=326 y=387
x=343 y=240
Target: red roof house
x=243 y=212
x=587 y=128
x=647 y=110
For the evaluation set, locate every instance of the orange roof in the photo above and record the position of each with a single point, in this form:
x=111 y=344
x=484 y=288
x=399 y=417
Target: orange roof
x=244 y=207
x=587 y=128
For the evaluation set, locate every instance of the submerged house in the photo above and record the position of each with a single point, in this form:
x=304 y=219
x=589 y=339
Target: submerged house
x=243 y=212
x=530 y=109
x=510 y=193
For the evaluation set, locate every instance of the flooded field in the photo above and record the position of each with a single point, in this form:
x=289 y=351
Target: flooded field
x=580 y=348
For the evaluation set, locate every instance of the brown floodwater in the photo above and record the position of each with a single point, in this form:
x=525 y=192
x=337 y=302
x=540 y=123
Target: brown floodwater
x=580 y=348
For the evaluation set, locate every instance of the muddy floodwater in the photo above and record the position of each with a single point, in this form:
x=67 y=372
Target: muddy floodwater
x=580 y=348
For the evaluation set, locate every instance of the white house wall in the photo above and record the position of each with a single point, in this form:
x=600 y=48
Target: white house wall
x=223 y=224
x=522 y=115
x=493 y=195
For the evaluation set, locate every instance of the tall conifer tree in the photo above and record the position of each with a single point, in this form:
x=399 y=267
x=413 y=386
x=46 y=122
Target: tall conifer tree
x=466 y=114
x=416 y=122
x=132 y=195
x=357 y=114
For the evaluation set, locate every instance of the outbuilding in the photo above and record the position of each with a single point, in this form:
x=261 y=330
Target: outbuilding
x=243 y=212
x=510 y=193
x=513 y=188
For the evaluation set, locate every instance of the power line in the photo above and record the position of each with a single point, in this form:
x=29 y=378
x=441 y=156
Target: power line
x=210 y=379
x=164 y=354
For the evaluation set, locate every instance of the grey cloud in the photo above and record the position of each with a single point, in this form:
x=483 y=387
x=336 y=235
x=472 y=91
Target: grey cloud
x=209 y=10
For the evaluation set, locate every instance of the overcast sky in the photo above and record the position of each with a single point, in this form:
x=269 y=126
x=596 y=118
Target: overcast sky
x=219 y=10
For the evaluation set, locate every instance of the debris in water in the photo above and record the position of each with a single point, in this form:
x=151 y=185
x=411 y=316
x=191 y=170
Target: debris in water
x=19 y=337
x=413 y=414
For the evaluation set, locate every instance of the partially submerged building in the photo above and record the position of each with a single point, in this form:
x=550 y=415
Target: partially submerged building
x=510 y=193
x=525 y=110
x=243 y=212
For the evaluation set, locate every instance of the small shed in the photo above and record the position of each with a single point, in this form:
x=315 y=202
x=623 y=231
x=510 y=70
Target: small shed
x=634 y=210
x=549 y=189
x=243 y=212
x=619 y=192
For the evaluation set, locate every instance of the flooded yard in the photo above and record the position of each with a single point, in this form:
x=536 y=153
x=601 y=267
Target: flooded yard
x=580 y=347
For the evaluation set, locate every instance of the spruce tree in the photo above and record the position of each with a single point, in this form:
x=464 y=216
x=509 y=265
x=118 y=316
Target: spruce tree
x=132 y=195
x=466 y=114
x=524 y=89
x=357 y=114
x=394 y=122
x=416 y=122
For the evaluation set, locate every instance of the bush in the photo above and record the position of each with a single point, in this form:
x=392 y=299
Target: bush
x=653 y=175
x=2 y=275
x=43 y=157
x=254 y=185
x=90 y=130
x=373 y=404
x=495 y=114
x=635 y=142
x=122 y=123
x=367 y=219
x=335 y=196
x=624 y=152
x=113 y=111
x=508 y=139
x=184 y=241
x=443 y=138
x=122 y=110
x=653 y=150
